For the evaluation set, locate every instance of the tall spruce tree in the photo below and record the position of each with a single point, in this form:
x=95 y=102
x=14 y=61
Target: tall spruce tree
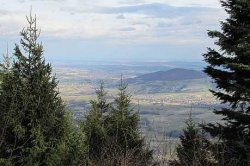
x=194 y=147
x=74 y=151
x=94 y=125
x=229 y=67
x=127 y=145
x=32 y=117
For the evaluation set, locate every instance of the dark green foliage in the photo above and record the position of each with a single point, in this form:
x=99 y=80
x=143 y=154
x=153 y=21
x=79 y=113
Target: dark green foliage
x=94 y=127
x=1 y=77
x=230 y=69
x=1 y=73
x=123 y=129
x=32 y=116
x=101 y=102
x=194 y=149
x=112 y=132
x=75 y=152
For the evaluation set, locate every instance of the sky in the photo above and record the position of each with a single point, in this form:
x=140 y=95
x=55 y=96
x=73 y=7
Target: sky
x=115 y=30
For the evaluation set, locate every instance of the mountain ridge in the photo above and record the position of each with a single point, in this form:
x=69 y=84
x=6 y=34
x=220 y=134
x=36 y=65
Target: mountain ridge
x=176 y=74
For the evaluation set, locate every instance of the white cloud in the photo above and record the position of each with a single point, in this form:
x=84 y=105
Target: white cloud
x=116 y=20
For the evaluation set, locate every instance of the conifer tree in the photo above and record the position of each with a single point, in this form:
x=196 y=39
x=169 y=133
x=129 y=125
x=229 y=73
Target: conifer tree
x=32 y=116
x=94 y=127
x=194 y=148
x=125 y=139
x=229 y=67
x=75 y=152
x=101 y=102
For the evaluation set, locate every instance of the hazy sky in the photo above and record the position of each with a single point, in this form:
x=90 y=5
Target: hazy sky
x=131 y=30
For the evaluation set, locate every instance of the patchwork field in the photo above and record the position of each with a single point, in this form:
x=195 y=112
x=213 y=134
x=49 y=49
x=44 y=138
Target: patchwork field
x=164 y=106
x=78 y=86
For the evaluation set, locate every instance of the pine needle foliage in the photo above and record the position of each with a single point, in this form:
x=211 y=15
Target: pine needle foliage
x=229 y=67
x=194 y=148
x=94 y=124
x=112 y=132
x=124 y=132
x=32 y=116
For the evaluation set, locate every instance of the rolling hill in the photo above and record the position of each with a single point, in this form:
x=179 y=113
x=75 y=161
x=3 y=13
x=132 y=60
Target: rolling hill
x=176 y=74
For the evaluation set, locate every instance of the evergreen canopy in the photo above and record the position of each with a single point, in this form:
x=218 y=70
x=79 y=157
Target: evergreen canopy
x=32 y=117
x=229 y=67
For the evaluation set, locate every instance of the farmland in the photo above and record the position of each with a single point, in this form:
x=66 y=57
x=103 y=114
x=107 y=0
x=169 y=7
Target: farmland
x=163 y=105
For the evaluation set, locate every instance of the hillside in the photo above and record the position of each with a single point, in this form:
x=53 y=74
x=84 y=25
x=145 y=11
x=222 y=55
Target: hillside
x=176 y=74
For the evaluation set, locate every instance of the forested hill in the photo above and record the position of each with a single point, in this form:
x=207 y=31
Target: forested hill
x=176 y=74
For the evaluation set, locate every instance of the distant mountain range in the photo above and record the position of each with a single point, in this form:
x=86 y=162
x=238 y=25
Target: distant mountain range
x=176 y=74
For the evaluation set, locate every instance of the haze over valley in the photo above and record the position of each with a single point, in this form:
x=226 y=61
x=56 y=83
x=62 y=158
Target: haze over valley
x=164 y=92
x=125 y=82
